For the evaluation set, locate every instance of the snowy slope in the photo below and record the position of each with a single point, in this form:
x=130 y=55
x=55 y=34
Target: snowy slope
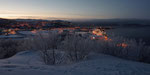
x=29 y=63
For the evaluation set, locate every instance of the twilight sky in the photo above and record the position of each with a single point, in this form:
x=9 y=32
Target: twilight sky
x=74 y=9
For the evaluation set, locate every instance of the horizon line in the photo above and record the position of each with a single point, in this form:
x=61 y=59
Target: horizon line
x=62 y=18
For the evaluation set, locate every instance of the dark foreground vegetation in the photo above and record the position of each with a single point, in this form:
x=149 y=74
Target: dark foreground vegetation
x=65 y=48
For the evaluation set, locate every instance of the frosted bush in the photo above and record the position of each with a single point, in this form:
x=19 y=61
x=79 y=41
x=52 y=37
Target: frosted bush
x=9 y=48
x=124 y=48
x=76 y=47
x=47 y=45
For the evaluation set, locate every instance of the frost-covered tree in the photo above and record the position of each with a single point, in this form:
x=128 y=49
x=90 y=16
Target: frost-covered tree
x=124 y=48
x=47 y=45
x=76 y=47
x=9 y=47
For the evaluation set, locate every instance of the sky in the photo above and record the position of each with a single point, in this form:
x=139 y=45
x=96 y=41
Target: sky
x=75 y=9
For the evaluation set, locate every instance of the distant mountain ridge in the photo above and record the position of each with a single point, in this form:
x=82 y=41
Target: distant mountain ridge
x=94 y=22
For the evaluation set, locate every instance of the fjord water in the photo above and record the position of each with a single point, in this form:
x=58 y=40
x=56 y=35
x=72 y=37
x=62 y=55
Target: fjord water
x=142 y=32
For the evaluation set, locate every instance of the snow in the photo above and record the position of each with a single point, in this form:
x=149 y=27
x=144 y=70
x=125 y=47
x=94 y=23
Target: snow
x=43 y=32
x=29 y=63
x=26 y=32
x=11 y=36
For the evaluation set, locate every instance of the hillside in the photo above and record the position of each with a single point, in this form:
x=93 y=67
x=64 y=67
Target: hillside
x=29 y=63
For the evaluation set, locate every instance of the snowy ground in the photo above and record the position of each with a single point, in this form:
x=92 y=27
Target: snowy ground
x=29 y=63
x=11 y=36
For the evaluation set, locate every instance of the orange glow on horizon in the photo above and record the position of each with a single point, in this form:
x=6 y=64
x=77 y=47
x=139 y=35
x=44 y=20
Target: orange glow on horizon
x=50 y=16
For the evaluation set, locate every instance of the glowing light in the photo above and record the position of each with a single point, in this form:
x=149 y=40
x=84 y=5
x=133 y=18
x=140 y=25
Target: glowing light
x=9 y=31
x=97 y=32
x=93 y=38
x=34 y=31
x=105 y=37
x=12 y=32
x=124 y=45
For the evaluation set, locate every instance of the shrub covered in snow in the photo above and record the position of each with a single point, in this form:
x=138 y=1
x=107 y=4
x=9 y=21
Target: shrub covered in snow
x=124 y=48
x=76 y=47
x=47 y=45
x=9 y=47
x=54 y=50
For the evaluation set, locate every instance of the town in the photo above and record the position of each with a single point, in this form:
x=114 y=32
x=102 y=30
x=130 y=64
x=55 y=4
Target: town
x=25 y=28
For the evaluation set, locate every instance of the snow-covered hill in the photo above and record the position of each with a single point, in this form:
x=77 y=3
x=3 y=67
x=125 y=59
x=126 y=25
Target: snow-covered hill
x=29 y=63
